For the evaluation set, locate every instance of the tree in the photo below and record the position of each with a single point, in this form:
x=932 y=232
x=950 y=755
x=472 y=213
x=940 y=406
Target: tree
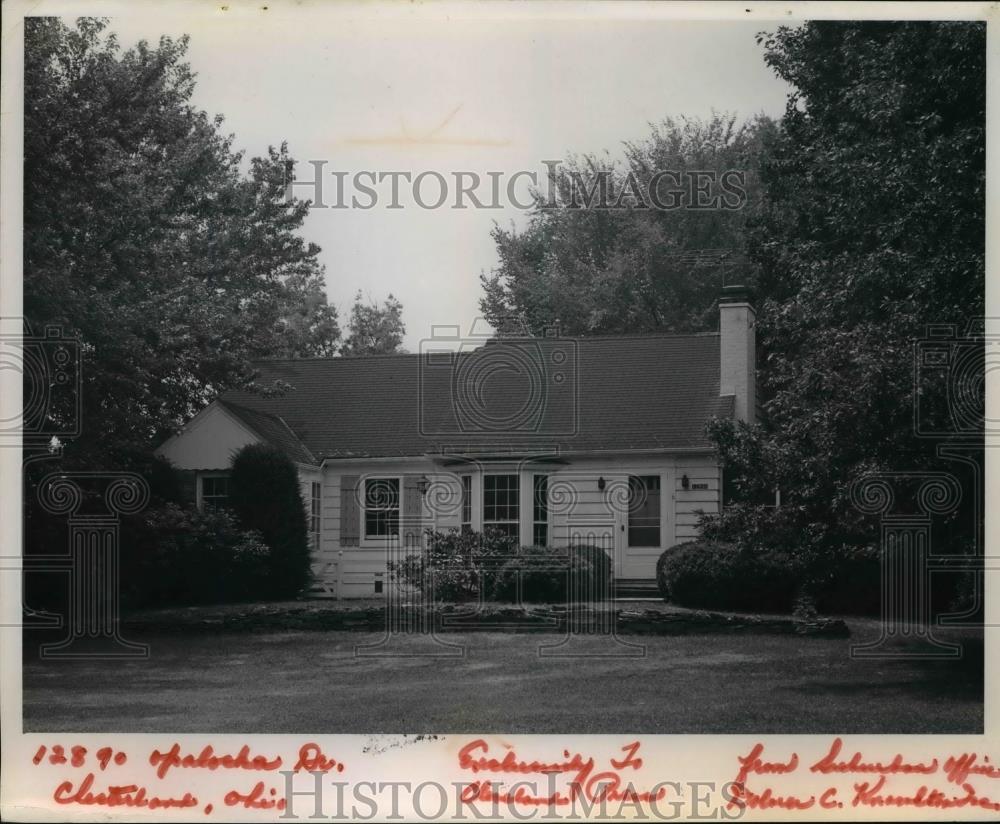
x=145 y=241
x=634 y=267
x=264 y=493
x=374 y=329
x=873 y=228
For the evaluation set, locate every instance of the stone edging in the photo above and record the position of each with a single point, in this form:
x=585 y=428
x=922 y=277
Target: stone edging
x=452 y=618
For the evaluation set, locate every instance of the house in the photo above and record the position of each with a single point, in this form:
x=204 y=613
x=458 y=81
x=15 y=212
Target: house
x=551 y=439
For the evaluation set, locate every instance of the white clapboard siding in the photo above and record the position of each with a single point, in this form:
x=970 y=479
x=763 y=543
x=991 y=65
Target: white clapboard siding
x=327 y=561
x=688 y=503
x=351 y=571
x=590 y=515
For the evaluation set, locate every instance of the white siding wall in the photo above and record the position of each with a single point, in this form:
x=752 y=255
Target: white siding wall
x=208 y=442
x=351 y=571
x=309 y=475
x=327 y=560
x=700 y=470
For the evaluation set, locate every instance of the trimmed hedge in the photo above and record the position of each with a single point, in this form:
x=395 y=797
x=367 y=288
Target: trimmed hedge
x=716 y=575
x=712 y=574
x=600 y=564
x=548 y=575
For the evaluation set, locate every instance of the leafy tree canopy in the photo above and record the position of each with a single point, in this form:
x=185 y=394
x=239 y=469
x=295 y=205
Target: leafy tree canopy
x=374 y=329
x=873 y=228
x=145 y=240
x=634 y=267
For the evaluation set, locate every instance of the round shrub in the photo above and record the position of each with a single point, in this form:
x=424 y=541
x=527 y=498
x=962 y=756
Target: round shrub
x=600 y=567
x=716 y=575
x=264 y=493
x=540 y=573
x=548 y=575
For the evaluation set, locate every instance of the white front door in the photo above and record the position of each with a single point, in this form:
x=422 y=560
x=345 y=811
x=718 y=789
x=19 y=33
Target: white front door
x=641 y=527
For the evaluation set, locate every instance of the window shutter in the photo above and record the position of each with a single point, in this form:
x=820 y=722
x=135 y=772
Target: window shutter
x=350 y=511
x=413 y=511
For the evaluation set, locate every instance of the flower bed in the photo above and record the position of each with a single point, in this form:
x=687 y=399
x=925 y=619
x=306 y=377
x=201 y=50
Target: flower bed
x=327 y=616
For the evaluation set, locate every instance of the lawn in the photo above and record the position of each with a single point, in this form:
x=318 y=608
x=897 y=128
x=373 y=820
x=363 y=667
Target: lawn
x=297 y=682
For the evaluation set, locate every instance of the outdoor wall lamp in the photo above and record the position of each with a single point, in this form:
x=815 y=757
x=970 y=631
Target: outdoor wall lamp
x=685 y=482
x=601 y=483
x=423 y=485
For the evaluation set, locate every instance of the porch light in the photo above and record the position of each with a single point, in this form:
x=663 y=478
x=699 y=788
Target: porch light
x=601 y=483
x=685 y=482
x=423 y=485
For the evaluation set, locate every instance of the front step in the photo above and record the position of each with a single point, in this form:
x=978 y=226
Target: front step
x=636 y=588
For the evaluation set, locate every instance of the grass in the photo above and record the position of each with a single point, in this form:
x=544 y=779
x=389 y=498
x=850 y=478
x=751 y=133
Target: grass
x=297 y=682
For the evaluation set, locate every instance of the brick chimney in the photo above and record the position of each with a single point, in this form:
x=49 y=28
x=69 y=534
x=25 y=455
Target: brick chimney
x=737 y=351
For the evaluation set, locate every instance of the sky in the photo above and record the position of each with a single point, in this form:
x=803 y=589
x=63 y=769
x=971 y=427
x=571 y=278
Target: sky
x=413 y=94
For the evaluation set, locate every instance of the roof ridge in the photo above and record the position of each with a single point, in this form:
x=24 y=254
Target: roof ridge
x=238 y=407
x=645 y=335
x=226 y=402
x=487 y=341
x=295 y=435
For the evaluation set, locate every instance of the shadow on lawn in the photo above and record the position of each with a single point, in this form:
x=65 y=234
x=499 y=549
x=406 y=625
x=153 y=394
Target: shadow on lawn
x=960 y=679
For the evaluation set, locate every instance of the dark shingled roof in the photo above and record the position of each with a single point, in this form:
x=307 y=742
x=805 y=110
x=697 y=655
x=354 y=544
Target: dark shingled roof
x=587 y=394
x=274 y=430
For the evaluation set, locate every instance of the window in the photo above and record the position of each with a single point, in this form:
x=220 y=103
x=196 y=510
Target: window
x=501 y=508
x=540 y=511
x=315 y=502
x=466 y=503
x=381 y=507
x=644 y=510
x=214 y=491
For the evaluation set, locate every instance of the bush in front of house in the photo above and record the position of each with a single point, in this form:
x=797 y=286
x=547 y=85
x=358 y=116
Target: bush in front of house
x=554 y=575
x=264 y=494
x=462 y=566
x=838 y=572
x=175 y=556
x=455 y=565
x=711 y=574
x=600 y=563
